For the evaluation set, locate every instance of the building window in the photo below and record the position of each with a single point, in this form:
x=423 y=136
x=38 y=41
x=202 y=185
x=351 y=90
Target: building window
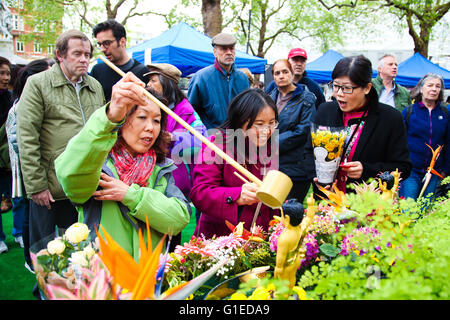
x=20 y=46
x=37 y=47
x=17 y=22
x=18 y=4
x=50 y=49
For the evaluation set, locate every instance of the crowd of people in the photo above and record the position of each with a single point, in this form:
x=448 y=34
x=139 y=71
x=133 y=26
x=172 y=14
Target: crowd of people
x=91 y=147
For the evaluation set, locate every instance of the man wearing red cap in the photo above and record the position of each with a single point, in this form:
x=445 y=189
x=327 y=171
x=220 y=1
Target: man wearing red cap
x=297 y=58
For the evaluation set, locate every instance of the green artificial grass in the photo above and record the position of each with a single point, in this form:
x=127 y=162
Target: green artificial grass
x=16 y=282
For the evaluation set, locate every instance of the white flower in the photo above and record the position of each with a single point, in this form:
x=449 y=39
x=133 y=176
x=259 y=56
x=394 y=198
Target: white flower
x=56 y=246
x=79 y=258
x=89 y=251
x=77 y=232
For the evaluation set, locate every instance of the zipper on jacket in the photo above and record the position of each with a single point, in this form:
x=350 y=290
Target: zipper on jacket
x=79 y=104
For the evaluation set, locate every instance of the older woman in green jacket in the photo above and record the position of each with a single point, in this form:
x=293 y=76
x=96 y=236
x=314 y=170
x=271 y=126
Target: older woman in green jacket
x=116 y=172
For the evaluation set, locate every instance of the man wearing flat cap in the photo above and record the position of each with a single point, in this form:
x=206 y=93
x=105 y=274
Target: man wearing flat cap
x=212 y=88
x=297 y=58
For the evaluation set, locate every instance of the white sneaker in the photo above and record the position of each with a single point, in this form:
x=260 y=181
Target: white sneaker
x=19 y=240
x=27 y=266
x=3 y=247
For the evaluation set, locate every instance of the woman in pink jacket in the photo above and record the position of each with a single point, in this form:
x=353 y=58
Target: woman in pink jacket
x=164 y=78
x=247 y=136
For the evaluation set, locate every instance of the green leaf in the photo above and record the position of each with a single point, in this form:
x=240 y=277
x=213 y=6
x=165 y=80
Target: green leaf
x=44 y=259
x=329 y=250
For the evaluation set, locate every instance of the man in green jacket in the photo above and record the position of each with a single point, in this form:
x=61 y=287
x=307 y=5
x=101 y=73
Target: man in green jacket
x=54 y=106
x=390 y=92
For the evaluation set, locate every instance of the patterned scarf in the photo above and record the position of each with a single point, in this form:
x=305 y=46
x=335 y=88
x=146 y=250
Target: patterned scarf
x=133 y=169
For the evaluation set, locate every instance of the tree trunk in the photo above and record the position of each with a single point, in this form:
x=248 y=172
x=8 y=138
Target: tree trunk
x=212 y=17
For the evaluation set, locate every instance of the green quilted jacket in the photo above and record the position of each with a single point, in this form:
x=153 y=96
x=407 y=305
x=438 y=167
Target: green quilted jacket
x=49 y=114
x=402 y=97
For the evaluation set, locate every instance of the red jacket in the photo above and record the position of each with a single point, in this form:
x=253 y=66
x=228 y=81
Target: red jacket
x=215 y=191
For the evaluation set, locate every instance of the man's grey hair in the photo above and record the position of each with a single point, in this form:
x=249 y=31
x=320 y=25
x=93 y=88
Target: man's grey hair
x=381 y=60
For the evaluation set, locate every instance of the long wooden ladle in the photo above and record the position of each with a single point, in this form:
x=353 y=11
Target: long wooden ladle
x=276 y=185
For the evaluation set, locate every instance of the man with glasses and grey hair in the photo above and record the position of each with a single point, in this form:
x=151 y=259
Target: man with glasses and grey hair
x=390 y=92
x=112 y=40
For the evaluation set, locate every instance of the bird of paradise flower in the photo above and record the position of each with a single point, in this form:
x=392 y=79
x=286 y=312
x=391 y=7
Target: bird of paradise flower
x=142 y=280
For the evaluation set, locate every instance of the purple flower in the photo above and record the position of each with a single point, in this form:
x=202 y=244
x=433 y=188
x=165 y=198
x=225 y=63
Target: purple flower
x=351 y=242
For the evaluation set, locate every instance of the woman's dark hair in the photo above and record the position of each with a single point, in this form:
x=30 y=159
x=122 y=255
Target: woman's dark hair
x=30 y=69
x=359 y=70
x=246 y=107
x=171 y=91
x=3 y=61
x=117 y=29
x=161 y=145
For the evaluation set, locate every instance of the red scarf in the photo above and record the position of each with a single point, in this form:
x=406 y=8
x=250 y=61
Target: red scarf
x=133 y=169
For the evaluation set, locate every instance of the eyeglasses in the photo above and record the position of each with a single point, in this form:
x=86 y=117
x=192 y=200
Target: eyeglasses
x=345 y=89
x=271 y=126
x=105 y=43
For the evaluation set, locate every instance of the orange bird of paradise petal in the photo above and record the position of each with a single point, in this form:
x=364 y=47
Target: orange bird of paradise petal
x=120 y=264
x=336 y=198
x=140 y=278
x=436 y=154
x=137 y=278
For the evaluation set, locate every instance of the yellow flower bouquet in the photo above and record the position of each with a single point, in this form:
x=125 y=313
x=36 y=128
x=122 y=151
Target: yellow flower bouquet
x=328 y=144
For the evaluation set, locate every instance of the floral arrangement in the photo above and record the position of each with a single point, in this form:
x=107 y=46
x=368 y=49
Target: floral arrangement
x=239 y=250
x=344 y=258
x=327 y=145
x=331 y=141
x=61 y=259
x=111 y=273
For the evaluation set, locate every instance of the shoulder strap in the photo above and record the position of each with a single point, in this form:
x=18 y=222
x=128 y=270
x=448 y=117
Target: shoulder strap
x=409 y=110
x=444 y=110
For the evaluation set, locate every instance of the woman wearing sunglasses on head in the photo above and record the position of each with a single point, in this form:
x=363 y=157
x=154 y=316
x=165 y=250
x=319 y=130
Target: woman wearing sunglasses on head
x=376 y=136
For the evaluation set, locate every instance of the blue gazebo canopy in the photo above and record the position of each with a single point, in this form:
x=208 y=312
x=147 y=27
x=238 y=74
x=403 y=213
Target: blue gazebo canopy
x=189 y=50
x=414 y=68
x=320 y=69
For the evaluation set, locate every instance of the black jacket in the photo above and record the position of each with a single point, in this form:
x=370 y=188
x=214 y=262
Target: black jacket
x=294 y=130
x=382 y=145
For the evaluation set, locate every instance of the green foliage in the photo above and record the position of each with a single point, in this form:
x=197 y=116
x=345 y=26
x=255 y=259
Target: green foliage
x=45 y=19
x=411 y=260
x=329 y=250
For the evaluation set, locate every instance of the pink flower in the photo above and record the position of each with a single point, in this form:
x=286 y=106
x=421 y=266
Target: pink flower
x=312 y=249
x=351 y=241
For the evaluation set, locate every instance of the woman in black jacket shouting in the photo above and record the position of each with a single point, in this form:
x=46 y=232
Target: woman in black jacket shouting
x=376 y=135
